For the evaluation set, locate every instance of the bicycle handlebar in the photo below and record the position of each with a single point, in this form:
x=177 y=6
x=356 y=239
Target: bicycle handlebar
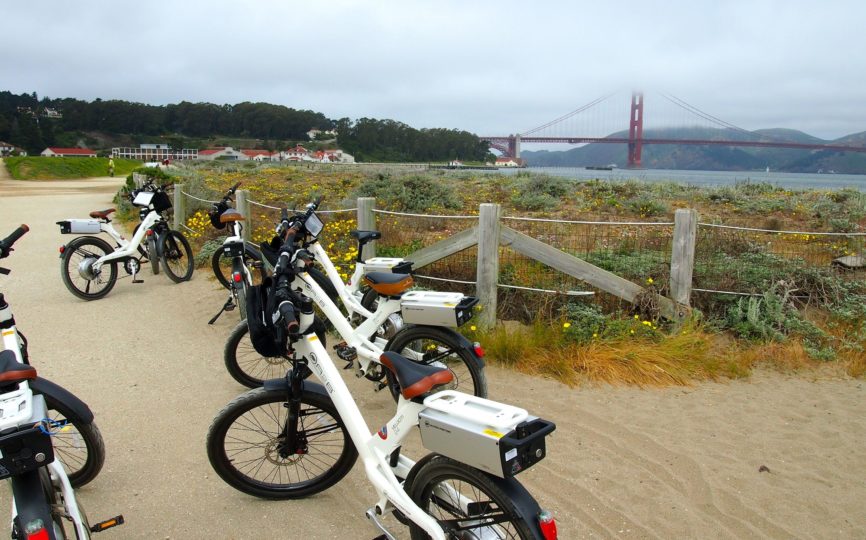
x=6 y=243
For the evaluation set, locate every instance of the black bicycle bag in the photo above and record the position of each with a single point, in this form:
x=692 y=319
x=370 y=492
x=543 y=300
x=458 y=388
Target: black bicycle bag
x=267 y=338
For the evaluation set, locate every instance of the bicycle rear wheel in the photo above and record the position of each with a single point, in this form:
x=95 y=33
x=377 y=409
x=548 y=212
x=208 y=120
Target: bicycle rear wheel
x=245 y=444
x=469 y=503
x=439 y=346
x=247 y=366
x=78 y=446
x=75 y=268
x=176 y=255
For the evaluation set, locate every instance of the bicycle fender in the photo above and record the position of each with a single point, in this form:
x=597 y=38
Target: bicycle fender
x=283 y=384
x=30 y=499
x=64 y=396
x=463 y=343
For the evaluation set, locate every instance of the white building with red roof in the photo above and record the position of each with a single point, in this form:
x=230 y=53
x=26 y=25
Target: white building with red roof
x=226 y=153
x=510 y=162
x=261 y=155
x=298 y=153
x=54 y=151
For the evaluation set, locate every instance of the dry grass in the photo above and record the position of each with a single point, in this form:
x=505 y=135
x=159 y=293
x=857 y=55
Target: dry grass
x=684 y=357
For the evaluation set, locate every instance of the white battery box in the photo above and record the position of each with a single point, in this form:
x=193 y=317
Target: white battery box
x=394 y=265
x=436 y=308
x=459 y=426
x=79 y=226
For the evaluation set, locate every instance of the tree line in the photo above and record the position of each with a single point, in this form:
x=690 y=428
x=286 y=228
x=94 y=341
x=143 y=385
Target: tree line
x=25 y=122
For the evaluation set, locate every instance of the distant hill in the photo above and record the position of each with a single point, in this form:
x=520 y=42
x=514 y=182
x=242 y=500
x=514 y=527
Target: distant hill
x=721 y=158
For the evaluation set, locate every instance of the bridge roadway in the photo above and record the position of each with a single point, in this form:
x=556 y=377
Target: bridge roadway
x=624 y=462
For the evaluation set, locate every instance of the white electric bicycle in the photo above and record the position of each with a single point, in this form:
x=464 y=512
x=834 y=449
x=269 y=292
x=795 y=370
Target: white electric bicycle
x=427 y=338
x=88 y=264
x=293 y=437
x=49 y=443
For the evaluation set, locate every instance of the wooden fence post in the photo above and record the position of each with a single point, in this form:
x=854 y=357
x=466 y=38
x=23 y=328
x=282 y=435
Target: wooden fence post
x=487 y=272
x=243 y=206
x=683 y=255
x=367 y=222
x=179 y=206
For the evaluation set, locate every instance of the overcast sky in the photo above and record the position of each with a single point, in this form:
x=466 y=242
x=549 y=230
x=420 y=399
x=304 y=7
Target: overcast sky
x=490 y=67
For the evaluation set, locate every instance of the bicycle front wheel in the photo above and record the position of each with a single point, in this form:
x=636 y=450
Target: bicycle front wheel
x=76 y=268
x=439 y=346
x=245 y=445
x=247 y=366
x=176 y=256
x=469 y=503
x=79 y=446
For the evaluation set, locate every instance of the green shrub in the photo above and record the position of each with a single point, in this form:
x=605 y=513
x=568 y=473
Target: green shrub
x=647 y=206
x=411 y=193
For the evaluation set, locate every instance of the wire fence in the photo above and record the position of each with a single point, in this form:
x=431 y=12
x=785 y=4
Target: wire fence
x=729 y=260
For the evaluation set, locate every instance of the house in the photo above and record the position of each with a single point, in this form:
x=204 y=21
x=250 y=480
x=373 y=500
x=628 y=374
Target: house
x=7 y=149
x=51 y=113
x=260 y=155
x=455 y=163
x=510 y=162
x=54 y=151
x=332 y=156
x=226 y=153
x=154 y=152
x=298 y=153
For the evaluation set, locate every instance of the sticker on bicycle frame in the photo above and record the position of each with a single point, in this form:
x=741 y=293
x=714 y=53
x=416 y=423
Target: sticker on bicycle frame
x=494 y=434
x=8 y=332
x=383 y=433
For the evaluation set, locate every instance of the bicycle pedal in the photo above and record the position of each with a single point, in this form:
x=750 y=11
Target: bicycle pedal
x=380 y=386
x=107 y=524
x=138 y=281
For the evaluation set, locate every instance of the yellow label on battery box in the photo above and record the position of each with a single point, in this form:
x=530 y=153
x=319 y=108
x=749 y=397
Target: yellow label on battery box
x=494 y=434
x=8 y=332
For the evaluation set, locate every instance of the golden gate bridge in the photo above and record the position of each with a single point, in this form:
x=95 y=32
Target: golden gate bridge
x=559 y=130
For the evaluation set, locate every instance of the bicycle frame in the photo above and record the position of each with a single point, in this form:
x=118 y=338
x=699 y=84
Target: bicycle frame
x=375 y=448
x=128 y=248
x=346 y=293
x=368 y=351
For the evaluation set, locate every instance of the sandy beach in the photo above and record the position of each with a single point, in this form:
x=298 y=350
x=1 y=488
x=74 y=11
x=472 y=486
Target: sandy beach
x=684 y=462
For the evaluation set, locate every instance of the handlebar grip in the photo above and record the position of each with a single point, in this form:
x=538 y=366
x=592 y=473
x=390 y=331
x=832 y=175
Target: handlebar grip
x=16 y=234
x=234 y=188
x=287 y=311
x=6 y=243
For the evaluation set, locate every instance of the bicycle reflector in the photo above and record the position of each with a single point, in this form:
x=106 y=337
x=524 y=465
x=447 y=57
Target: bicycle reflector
x=35 y=530
x=479 y=351
x=149 y=232
x=237 y=277
x=547 y=525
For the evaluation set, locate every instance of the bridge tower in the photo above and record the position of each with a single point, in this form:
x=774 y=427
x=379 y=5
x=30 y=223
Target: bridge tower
x=635 y=130
x=514 y=146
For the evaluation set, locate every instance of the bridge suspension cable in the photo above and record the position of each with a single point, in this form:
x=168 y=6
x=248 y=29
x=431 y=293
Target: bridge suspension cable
x=568 y=115
x=706 y=116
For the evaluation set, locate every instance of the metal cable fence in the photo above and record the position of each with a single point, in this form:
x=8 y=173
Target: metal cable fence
x=748 y=261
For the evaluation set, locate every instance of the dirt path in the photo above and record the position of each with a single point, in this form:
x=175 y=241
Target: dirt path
x=673 y=463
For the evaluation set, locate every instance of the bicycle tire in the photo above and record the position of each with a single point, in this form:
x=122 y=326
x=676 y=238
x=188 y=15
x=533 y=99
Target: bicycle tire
x=221 y=264
x=176 y=255
x=76 y=252
x=436 y=344
x=82 y=463
x=152 y=254
x=247 y=366
x=503 y=507
x=259 y=416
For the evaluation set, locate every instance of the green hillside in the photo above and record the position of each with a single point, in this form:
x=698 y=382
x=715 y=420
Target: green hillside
x=55 y=168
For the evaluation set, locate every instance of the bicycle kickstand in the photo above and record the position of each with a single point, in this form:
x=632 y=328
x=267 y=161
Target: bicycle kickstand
x=228 y=306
